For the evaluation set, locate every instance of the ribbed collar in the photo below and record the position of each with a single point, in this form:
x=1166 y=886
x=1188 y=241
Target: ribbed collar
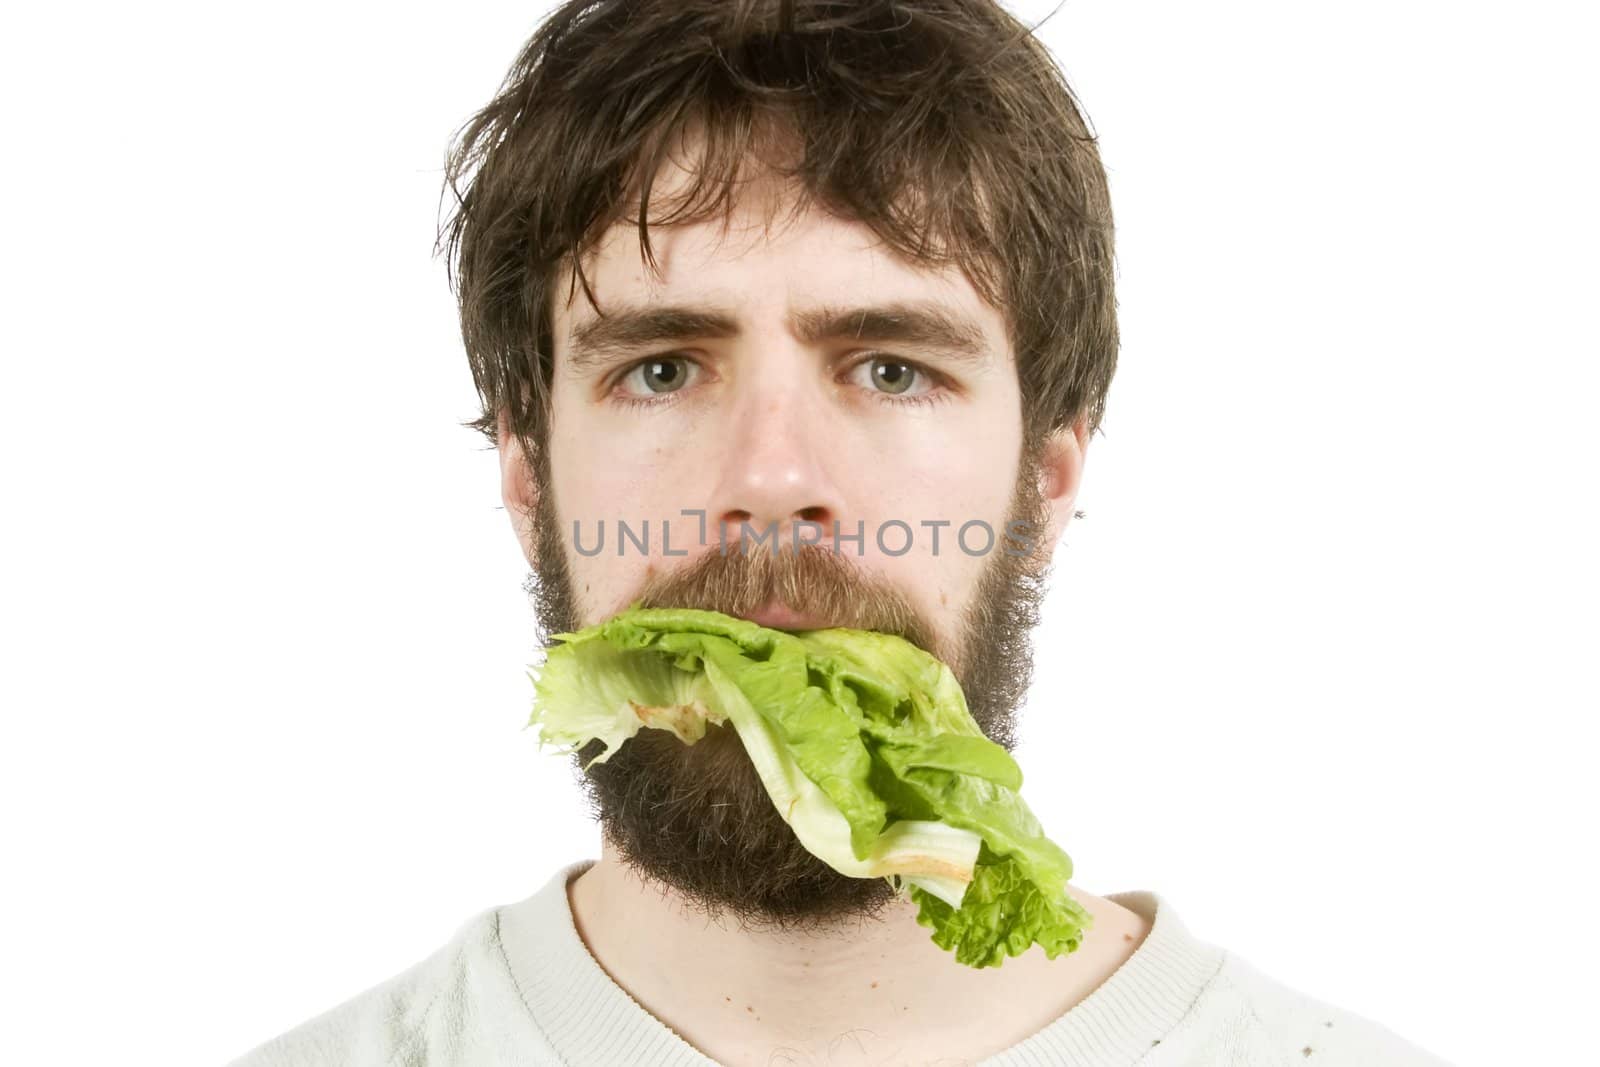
x=1116 y=1025
x=588 y=1018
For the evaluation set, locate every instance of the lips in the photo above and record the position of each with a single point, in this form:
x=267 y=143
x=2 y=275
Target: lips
x=780 y=616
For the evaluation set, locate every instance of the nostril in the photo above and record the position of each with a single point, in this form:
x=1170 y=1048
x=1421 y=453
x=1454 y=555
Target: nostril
x=732 y=523
x=735 y=522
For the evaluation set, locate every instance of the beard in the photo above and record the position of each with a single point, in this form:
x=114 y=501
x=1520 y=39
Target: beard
x=697 y=818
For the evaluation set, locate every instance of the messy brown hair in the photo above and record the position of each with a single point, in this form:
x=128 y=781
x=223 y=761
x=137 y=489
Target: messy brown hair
x=944 y=126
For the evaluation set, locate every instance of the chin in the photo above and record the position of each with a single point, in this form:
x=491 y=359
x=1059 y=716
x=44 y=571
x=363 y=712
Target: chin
x=697 y=819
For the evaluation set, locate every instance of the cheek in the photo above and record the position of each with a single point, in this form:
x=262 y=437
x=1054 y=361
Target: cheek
x=602 y=477
x=938 y=485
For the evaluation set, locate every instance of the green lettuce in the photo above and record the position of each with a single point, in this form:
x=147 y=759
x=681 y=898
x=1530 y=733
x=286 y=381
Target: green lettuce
x=865 y=746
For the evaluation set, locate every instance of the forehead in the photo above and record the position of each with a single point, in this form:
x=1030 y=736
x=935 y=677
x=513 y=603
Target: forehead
x=769 y=260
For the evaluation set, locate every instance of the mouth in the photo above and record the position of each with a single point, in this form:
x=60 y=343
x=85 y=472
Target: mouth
x=779 y=616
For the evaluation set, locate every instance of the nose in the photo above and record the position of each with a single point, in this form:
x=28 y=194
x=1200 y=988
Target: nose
x=775 y=466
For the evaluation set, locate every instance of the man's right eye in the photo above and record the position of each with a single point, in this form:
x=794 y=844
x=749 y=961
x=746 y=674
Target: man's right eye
x=655 y=377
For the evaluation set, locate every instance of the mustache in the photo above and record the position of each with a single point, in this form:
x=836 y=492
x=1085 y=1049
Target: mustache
x=812 y=579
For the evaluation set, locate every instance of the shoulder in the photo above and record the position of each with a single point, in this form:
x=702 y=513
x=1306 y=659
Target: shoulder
x=1296 y=1028
x=432 y=1013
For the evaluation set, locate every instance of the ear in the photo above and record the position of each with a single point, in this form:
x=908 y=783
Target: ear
x=1060 y=475
x=518 y=490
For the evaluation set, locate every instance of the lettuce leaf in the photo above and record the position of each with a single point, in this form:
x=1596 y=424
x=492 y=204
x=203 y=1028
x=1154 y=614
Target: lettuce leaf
x=1001 y=914
x=865 y=746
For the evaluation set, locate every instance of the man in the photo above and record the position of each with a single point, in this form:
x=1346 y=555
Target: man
x=745 y=264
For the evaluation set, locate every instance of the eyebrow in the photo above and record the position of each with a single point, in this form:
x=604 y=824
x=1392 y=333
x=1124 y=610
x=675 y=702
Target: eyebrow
x=925 y=324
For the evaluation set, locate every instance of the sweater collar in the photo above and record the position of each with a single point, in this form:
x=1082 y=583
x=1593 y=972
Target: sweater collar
x=589 y=1018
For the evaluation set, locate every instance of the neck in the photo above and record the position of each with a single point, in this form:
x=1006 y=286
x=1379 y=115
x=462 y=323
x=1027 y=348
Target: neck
x=866 y=987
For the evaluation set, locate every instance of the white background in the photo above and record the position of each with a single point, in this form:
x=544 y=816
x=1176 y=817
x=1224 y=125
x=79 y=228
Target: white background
x=1319 y=665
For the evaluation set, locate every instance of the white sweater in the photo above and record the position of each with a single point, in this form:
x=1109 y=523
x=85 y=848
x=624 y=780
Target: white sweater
x=517 y=986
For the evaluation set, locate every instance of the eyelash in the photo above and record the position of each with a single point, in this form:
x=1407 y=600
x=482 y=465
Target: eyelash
x=936 y=394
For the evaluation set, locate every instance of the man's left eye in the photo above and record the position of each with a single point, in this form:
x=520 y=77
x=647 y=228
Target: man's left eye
x=895 y=377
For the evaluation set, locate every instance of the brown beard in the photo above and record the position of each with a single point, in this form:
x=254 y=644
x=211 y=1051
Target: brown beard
x=696 y=818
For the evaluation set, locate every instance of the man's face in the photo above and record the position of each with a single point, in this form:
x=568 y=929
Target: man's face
x=758 y=413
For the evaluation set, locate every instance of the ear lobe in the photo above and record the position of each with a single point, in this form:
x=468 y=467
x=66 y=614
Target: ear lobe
x=518 y=490
x=1061 y=474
